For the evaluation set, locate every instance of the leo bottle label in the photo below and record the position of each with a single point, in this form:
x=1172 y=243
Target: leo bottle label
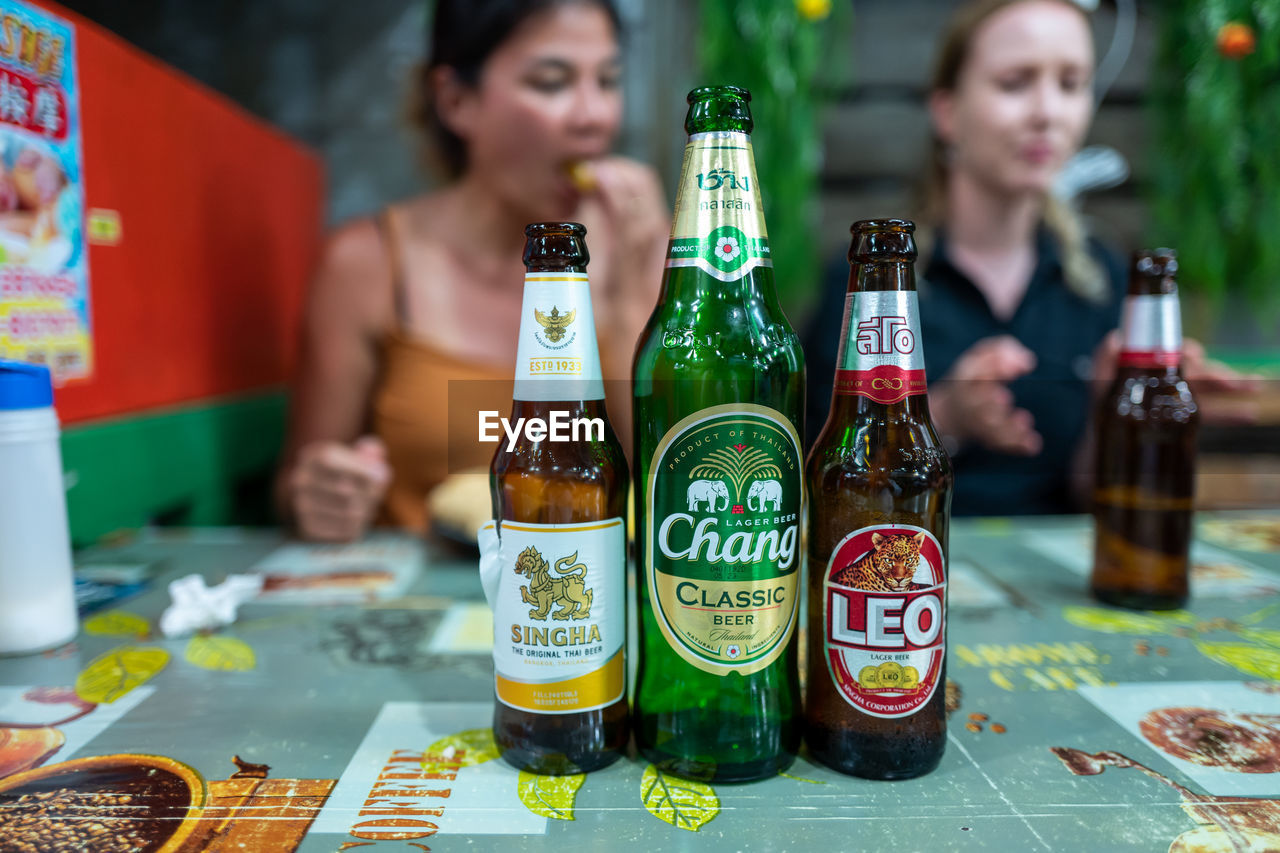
x=719 y=222
x=722 y=530
x=880 y=355
x=1152 y=330
x=883 y=614
x=557 y=593
x=556 y=353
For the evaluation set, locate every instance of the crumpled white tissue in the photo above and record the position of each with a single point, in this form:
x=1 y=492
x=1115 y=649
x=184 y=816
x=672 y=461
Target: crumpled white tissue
x=197 y=606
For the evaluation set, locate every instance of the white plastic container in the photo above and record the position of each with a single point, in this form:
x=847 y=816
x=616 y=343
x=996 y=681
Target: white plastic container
x=37 y=590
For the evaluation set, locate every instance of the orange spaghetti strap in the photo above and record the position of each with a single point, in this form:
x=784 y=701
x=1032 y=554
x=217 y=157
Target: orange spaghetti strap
x=386 y=223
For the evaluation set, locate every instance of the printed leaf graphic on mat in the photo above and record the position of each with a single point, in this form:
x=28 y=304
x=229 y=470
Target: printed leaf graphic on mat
x=1261 y=615
x=1271 y=638
x=680 y=802
x=1254 y=660
x=550 y=796
x=1110 y=622
x=225 y=653
x=464 y=749
x=115 y=673
x=117 y=623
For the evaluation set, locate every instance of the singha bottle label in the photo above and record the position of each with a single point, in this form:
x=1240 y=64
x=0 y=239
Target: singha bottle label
x=723 y=534
x=1152 y=327
x=557 y=593
x=719 y=222
x=883 y=606
x=880 y=355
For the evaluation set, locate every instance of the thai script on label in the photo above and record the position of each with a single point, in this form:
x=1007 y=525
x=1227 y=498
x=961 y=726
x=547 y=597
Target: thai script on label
x=880 y=354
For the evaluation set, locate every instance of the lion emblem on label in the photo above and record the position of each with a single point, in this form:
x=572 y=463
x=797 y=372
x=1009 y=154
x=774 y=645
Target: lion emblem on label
x=554 y=323
x=567 y=591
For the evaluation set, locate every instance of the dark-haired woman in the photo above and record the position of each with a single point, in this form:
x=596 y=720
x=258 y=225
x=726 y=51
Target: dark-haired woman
x=523 y=100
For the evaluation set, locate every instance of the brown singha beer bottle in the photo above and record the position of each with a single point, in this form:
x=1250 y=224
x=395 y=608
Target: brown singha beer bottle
x=879 y=485
x=1144 y=473
x=553 y=561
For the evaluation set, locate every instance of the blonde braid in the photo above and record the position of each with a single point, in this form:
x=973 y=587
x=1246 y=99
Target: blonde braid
x=1085 y=277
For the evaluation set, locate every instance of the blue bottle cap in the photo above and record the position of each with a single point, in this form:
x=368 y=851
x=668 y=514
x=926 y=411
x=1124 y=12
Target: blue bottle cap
x=24 y=386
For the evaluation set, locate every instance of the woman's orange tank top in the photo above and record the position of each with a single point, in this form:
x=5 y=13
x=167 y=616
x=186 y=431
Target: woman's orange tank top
x=424 y=408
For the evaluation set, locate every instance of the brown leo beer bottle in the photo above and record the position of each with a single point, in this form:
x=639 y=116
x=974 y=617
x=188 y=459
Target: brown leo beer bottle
x=553 y=562
x=1144 y=474
x=879 y=484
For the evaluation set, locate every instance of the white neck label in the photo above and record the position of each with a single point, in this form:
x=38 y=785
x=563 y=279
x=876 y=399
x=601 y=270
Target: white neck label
x=557 y=357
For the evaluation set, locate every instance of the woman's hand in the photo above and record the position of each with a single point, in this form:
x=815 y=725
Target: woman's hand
x=335 y=489
x=1221 y=393
x=630 y=235
x=633 y=201
x=973 y=403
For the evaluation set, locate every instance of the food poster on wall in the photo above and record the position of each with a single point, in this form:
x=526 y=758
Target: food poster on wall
x=44 y=270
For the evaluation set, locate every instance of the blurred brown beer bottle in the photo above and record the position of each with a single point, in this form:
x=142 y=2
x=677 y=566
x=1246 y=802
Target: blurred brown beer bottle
x=1144 y=470
x=559 y=507
x=879 y=485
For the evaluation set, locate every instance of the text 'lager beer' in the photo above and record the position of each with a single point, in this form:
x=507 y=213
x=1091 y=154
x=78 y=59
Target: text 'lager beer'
x=879 y=505
x=719 y=396
x=1146 y=451
x=554 y=564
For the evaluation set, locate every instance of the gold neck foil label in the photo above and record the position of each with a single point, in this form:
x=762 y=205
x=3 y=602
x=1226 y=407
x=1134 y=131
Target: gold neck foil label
x=719 y=221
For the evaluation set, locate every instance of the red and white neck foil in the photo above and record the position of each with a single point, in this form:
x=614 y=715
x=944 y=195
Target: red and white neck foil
x=881 y=355
x=1152 y=331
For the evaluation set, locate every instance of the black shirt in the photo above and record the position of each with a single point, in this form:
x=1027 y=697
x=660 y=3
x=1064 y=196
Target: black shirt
x=1060 y=327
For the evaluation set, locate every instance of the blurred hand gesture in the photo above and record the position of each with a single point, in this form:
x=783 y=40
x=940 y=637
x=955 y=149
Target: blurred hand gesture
x=632 y=198
x=973 y=403
x=335 y=489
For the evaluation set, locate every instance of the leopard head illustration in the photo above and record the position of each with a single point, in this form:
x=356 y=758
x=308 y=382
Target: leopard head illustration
x=896 y=557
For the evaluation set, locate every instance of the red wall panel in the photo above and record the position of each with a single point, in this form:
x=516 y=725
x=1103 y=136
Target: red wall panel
x=221 y=219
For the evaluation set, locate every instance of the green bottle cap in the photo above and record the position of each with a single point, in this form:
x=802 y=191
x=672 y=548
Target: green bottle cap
x=713 y=108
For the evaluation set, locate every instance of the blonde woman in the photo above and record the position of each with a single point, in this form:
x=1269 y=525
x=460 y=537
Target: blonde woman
x=1017 y=302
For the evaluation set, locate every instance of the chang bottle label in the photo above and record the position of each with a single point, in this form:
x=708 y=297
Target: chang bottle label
x=883 y=606
x=719 y=223
x=880 y=353
x=559 y=613
x=1152 y=331
x=722 y=536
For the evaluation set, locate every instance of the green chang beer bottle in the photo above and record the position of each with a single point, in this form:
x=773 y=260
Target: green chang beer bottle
x=879 y=508
x=554 y=561
x=719 y=397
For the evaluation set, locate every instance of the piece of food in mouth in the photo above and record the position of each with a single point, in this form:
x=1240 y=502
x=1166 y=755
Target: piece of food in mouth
x=582 y=176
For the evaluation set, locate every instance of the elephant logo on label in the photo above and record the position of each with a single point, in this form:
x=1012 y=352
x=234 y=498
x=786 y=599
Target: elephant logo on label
x=706 y=491
x=764 y=492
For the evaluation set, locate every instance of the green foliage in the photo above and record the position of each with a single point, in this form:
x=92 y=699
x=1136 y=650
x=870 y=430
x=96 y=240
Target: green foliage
x=1216 y=153
x=784 y=53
